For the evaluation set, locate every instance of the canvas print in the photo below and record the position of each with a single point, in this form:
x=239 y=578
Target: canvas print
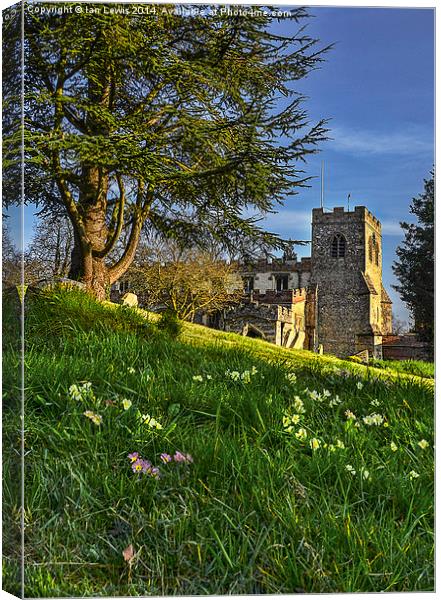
x=218 y=299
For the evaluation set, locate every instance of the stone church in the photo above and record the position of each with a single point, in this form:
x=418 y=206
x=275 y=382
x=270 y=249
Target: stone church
x=333 y=302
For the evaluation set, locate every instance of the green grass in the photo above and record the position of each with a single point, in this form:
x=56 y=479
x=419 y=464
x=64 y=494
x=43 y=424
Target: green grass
x=414 y=367
x=258 y=511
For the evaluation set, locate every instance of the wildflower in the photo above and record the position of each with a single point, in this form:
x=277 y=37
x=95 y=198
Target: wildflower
x=335 y=401
x=126 y=403
x=166 y=458
x=351 y=469
x=209 y=377
x=374 y=419
x=233 y=375
x=137 y=466
x=301 y=434
x=339 y=444
x=291 y=377
x=365 y=473
x=413 y=475
x=350 y=415
x=423 y=444
x=80 y=392
x=97 y=419
x=246 y=377
x=151 y=422
x=298 y=405
x=393 y=447
x=154 y=472
x=133 y=456
x=179 y=457
x=198 y=378
x=315 y=443
x=331 y=448
x=326 y=394
x=253 y=370
x=375 y=402
x=359 y=385
x=131 y=370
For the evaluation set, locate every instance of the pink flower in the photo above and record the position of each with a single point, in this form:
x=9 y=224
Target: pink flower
x=184 y=458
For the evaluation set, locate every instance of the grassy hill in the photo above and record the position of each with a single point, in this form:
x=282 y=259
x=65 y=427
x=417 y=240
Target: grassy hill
x=288 y=471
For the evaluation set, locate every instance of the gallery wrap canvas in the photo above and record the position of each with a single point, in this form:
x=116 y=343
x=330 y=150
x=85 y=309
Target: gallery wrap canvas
x=218 y=299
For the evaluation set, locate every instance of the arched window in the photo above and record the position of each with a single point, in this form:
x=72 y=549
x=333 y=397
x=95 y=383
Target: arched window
x=374 y=250
x=338 y=246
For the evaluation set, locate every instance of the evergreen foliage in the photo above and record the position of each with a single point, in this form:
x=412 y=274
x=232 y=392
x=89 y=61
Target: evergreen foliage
x=415 y=266
x=161 y=119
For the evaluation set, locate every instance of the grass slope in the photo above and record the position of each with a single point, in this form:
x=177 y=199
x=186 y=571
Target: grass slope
x=342 y=505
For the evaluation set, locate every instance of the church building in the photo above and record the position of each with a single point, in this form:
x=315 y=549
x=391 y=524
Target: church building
x=333 y=302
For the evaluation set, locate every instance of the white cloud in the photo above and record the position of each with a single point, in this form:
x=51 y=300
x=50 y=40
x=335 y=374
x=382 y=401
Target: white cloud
x=391 y=228
x=410 y=141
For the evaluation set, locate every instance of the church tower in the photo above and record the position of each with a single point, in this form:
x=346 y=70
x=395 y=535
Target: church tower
x=353 y=310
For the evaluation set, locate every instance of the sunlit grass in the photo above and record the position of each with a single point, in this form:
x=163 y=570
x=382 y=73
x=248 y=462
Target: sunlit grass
x=261 y=509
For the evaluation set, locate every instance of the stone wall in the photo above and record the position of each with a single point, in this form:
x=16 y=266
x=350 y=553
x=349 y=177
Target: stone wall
x=347 y=315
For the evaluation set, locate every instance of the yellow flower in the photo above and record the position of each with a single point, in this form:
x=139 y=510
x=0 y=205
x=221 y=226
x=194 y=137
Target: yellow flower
x=286 y=421
x=339 y=444
x=301 y=434
x=393 y=447
x=295 y=419
x=126 y=403
x=315 y=443
x=423 y=444
x=413 y=475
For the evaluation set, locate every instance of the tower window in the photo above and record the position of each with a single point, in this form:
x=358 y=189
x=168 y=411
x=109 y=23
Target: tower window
x=374 y=250
x=338 y=246
x=281 y=282
x=248 y=284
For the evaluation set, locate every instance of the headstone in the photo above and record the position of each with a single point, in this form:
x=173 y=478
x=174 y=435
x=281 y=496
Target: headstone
x=130 y=299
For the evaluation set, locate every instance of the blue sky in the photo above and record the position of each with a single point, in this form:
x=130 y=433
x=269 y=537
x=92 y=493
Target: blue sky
x=377 y=89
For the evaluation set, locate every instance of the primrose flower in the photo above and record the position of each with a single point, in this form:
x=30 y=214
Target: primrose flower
x=253 y=370
x=80 y=392
x=151 y=422
x=233 y=375
x=126 y=403
x=359 y=385
x=413 y=475
x=339 y=444
x=350 y=415
x=423 y=444
x=365 y=473
x=351 y=469
x=298 y=405
x=315 y=443
x=374 y=419
x=393 y=447
x=375 y=402
x=131 y=370
x=133 y=456
x=326 y=394
x=301 y=434
x=291 y=377
x=97 y=419
x=209 y=377
x=166 y=458
x=246 y=377
x=335 y=401
x=198 y=378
